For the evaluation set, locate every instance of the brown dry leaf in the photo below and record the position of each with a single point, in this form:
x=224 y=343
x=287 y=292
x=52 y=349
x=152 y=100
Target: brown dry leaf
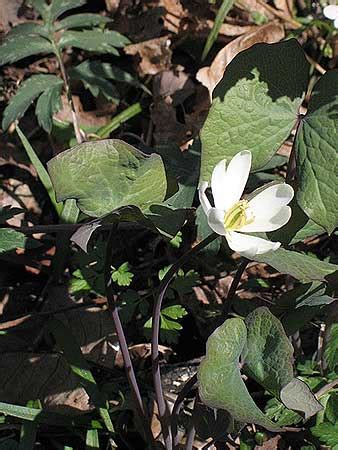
x=253 y=6
x=174 y=14
x=27 y=376
x=86 y=118
x=112 y=5
x=9 y=14
x=93 y=328
x=228 y=29
x=142 y=352
x=285 y=6
x=155 y=55
x=210 y=76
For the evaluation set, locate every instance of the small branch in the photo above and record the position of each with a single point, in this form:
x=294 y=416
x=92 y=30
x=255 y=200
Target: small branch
x=178 y=405
x=111 y=298
x=326 y=388
x=65 y=78
x=156 y=316
x=233 y=288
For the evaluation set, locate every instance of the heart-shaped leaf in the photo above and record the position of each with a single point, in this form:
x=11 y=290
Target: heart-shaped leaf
x=220 y=382
x=316 y=150
x=105 y=175
x=268 y=353
x=255 y=104
x=297 y=395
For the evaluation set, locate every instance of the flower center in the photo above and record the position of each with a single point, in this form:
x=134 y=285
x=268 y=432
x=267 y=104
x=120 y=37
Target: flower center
x=237 y=217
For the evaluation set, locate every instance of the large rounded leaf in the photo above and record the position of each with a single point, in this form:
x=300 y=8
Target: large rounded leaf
x=255 y=104
x=220 y=382
x=316 y=150
x=105 y=175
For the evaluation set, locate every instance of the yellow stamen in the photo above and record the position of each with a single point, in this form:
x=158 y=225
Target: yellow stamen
x=236 y=217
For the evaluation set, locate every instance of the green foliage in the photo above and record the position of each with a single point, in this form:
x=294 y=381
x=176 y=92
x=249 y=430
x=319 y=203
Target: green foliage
x=11 y=239
x=106 y=175
x=331 y=347
x=29 y=39
x=255 y=104
x=169 y=325
x=94 y=41
x=327 y=433
x=122 y=276
x=92 y=440
x=29 y=90
x=316 y=150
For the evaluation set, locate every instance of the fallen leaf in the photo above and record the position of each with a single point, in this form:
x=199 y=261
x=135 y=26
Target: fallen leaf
x=155 y=55
x=210 y=76
x=9 y=14
x=47 y=377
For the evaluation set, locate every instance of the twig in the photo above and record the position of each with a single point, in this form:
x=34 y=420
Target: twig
x=65 y=78
x=233 y=288
x=111 y=298
x=326 y=388
x=279 y=14
x=162 y=409
x=178 y=405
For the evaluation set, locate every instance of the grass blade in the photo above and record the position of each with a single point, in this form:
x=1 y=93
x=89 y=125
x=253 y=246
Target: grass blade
x=125 y=115
x=40 y=169
x=92 y=440
x=222 y=12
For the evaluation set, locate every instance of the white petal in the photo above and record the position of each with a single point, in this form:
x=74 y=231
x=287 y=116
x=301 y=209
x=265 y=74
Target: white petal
x=250 y=246
x=271 y=199
x=216 y=220
x=270 y=221
x=203 y=198
x=331 y=12
x=227 y=187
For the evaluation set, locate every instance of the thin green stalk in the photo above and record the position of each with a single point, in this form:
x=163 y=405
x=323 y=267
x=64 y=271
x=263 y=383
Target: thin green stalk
x=40 y=169
x=125 y=115
x=222 y=12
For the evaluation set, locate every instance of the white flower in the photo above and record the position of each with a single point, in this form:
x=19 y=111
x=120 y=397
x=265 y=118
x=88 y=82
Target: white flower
x=233 y=218
x=331 y=12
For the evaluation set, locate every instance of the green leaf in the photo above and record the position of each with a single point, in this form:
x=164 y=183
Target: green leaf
x=82 y=21
x=79 y=366
x=297 y=396
x=268 y=354
x=28 y=91
x=299 y=305
x=92 y=440
x=92 y=81
x=122 y=276
x=327 y=433
x=331 y=409
x=35 y=415
x=174 y=312
x=41 y=7
x=298 y=228
x=255 y=105
x=58 y=7
x=18 y=47
x=222 y=12
x=220 y=382
x=303 y=267
x=48 y=104
x=27 y=28
x=94 y=40
x=105 y=175
x=11 y=239
x=316 y=150
x=331 y=347
x=41 y=171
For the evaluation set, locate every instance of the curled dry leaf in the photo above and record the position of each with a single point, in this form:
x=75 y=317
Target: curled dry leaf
x=155 y=55
x=210 y=76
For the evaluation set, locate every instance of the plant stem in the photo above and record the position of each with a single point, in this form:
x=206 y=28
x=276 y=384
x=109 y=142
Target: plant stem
x=65 y=78
x=111 y=299
x=177 y=406
x=156 y=316
x=125 y=115
x=233 y=288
